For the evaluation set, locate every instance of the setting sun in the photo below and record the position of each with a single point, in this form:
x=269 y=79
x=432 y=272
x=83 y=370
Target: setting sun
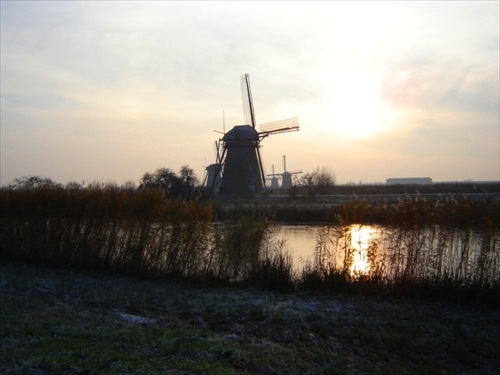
x=360 y=112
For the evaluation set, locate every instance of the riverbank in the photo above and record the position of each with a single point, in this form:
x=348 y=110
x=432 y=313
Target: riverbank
x=66 y=321
x=373 y=193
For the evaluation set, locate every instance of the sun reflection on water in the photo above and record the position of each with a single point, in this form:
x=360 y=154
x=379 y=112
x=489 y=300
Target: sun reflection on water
x=360 y=241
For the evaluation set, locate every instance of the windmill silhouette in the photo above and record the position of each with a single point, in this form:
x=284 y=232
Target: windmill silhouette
x=286 y=177
x=238 y=168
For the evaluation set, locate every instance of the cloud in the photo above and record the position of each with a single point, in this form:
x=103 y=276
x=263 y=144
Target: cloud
x=119 y=88
x=435 y=85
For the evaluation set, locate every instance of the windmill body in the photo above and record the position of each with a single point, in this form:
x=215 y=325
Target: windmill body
x=242 y=169
x=213 y=176
x=287 y=180
x=274 y=181
x=239 y=163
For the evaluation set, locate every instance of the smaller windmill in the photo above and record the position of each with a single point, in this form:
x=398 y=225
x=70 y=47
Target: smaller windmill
x=286 y=177
x=238 y=168
x=274 y=180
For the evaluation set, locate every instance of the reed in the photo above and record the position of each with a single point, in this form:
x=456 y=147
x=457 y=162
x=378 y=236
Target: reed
x=273 y=270
x=136 y=232
x=235 y=247
x=447 y=249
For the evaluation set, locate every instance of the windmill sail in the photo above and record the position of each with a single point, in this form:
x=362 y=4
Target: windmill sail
x=283 y=126
x=249 y=113
x=246 y=98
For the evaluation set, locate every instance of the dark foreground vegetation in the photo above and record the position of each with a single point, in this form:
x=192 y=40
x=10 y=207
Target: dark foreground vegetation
x=108 y=279
x=61 y=321
x=446 y=250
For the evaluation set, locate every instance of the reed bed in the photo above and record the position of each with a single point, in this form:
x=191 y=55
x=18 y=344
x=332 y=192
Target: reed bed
x=140 y=233
x=447 y=249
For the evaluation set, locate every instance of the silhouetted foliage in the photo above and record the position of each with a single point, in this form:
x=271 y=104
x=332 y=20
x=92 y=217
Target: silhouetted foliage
x=183 y=186
x=74 y=186
x=33 y=182
x=320 y=181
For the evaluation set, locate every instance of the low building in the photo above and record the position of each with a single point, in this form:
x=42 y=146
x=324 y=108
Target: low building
x=409 y=181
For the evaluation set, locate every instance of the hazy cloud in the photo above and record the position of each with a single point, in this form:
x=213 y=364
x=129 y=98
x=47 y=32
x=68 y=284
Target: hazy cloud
x=109 y=90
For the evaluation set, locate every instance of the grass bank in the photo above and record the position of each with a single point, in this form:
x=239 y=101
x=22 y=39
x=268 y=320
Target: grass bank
x=72 y=322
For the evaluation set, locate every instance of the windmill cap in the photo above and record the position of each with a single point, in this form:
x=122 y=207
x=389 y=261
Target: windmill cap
x=241 y=133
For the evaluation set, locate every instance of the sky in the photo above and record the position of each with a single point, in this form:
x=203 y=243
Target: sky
x=107 y=91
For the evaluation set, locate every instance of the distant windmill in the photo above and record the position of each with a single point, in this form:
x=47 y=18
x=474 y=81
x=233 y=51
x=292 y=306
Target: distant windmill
x=274 y=180
x=286 y=177
x=238 y=160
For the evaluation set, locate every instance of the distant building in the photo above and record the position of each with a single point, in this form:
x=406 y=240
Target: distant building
x=409 y=181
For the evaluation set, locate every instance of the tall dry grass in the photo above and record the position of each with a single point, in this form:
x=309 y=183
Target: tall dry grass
x=445 y=249
x=138 y=232
x=449 y=249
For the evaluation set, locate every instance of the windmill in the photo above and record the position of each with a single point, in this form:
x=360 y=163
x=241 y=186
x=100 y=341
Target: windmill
x=274 y=180
x=238 y=159
x=286 y=177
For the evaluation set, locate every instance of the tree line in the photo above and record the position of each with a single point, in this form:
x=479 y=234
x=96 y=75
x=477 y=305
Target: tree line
x=181 y=185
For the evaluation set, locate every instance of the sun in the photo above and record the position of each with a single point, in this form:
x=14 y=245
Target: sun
x=358 y=109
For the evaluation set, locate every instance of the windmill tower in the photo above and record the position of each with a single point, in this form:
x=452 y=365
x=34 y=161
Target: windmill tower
x=286 y=182
x=274 y=181
x=238 y=157
x=213 y=176
x=286 y=177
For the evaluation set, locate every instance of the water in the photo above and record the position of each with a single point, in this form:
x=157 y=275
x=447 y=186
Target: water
x=302 y=242
x=414 y=252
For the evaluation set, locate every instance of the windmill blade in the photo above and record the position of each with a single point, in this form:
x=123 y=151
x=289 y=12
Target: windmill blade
x=284 y=126
x=218 y=166
x=290 y=172
x=246 y=106
x=292 y=123
x=261 y=167
x=217 y=152
x=246 y=98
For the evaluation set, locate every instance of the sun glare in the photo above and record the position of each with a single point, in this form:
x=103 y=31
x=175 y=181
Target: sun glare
x=360 y=240
x=358 y=109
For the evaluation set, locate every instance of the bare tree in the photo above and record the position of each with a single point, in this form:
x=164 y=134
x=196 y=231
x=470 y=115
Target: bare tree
x=147 y=181
x=167 y=180
x=33 y=182
x=129 y=185
x=319 y=181
x=74 y=186
x=189 y=182
x=182 y=186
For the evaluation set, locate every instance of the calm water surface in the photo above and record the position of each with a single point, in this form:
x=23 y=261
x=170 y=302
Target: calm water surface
x=418 y=252
x=302 y=240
